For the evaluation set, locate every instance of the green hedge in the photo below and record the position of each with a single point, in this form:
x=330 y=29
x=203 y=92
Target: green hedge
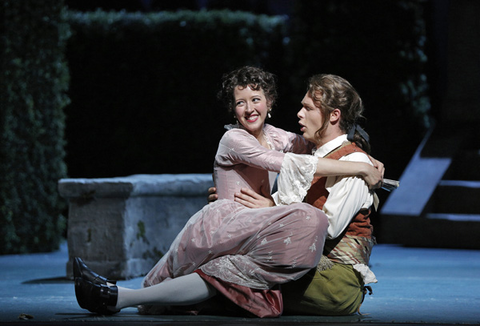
x=33 y=84
x=143 y=91
x=143 y=86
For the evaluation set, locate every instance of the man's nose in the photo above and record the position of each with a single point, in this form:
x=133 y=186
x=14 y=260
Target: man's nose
x=299 y=113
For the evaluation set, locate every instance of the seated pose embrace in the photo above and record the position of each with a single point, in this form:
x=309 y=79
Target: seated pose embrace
x=227 y=249
x=328 y=118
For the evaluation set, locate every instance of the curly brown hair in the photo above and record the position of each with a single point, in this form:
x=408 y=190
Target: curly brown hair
x=331 y=92
x=254 y=77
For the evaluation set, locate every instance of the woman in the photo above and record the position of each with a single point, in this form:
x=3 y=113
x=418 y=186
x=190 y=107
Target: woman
x=226 y=248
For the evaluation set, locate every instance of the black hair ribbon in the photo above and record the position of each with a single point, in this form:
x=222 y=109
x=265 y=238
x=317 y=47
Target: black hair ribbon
x=360 y=130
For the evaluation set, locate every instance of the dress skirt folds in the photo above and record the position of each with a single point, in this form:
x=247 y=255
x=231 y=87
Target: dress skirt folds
x=245 y=252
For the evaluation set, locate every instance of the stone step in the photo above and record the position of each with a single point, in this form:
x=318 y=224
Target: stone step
x=459 y=231
x=438 y=202
x=456 y=197
x=465 y=165
x=455 y=217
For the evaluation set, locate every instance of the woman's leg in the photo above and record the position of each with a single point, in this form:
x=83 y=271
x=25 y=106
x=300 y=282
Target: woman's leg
x=214 y=231
x=183 y=290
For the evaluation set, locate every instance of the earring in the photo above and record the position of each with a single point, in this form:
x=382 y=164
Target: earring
x=268 y=114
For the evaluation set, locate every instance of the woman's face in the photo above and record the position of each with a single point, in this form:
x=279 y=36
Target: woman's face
x=251 y=109
x=310 y=119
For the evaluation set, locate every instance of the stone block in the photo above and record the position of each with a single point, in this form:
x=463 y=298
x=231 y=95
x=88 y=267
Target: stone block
x=121 y=226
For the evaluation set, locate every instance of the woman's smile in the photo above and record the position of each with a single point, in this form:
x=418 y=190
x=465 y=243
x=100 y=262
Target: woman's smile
x=252 y=118
x=251 y=109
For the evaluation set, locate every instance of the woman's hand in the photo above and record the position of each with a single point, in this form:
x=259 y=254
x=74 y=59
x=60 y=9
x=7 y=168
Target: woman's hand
x=378 y=165
x=373 y=176
x=251 y=199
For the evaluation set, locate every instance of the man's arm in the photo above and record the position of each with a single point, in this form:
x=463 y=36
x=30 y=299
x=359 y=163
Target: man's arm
x=212 y=194
x=251 y=199
x=247 y=197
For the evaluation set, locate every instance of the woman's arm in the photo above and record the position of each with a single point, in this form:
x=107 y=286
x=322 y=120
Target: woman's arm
x=328 y=167
x=298 y=171
x=237 y=146
x=325 y=167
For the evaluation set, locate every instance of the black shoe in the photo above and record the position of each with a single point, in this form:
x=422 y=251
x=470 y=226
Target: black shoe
x=97 y=298
x=81 y=270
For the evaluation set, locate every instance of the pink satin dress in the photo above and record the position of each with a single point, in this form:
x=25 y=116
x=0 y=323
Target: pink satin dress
x=244 y=253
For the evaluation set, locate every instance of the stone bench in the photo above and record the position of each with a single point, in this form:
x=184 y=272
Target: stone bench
x=121 y=226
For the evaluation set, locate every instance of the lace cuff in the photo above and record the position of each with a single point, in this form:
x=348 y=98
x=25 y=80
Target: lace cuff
x=295 y=178
x=367 y=274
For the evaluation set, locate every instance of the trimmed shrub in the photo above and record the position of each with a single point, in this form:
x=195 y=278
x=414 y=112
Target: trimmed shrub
x=33 y=84
x=143 y=86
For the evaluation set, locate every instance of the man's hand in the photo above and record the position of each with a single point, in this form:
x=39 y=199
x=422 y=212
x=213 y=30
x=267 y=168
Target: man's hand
x=212 y=194
x=251 y=199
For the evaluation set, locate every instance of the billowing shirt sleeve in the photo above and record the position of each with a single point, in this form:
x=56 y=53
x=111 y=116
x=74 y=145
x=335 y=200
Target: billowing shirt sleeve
x=295 y=178
x=237 y=146
x=347 y=195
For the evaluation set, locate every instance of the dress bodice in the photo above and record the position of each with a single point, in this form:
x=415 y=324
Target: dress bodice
x=241 y=162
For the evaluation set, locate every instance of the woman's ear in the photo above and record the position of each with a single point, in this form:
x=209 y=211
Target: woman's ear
x=269 y=103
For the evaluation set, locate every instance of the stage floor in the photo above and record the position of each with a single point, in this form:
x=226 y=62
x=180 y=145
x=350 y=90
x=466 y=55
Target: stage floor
x=416 y=286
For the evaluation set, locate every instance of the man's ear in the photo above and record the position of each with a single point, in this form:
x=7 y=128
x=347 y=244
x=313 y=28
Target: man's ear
x=335 y=115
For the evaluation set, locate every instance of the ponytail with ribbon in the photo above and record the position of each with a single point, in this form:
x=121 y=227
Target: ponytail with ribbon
x=365 y=143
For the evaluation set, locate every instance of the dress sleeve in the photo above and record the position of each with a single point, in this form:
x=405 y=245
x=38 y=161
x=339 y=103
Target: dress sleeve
x=237 y=146
x=298 y=144
x=295 y=178
x=288 y=142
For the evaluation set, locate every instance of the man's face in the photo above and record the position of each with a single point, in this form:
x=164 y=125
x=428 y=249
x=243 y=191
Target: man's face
x=310 y=119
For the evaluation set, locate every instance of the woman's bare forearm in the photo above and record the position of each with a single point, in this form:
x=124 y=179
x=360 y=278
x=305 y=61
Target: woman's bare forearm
x=328 y=167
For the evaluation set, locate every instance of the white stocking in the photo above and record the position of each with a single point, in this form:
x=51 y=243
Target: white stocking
x=183 y=290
